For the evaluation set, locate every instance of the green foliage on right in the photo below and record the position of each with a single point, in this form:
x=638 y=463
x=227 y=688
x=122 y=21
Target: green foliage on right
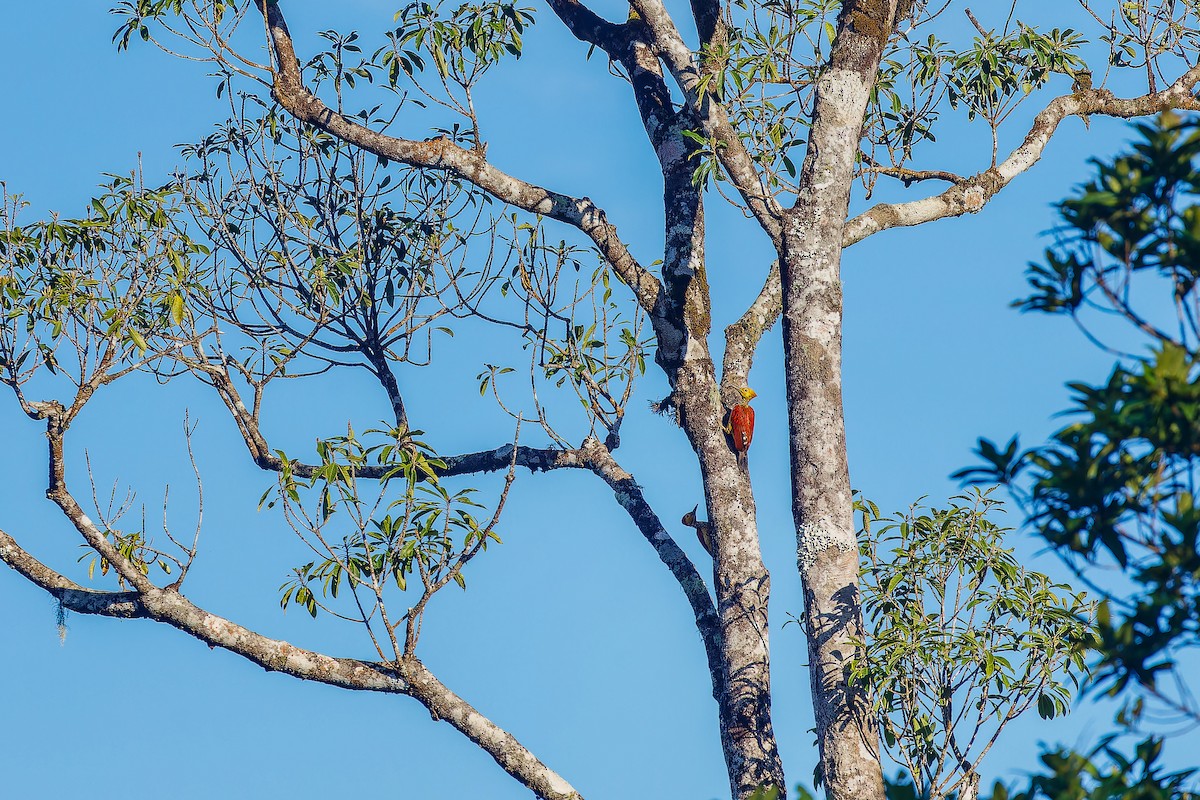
x=1113 y=493
x=1104 y=773
x=1117 y=486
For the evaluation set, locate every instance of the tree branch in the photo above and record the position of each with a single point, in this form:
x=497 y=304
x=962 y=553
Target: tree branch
x=591 y=456
x=629 y=495
x=588 y=26
x=715 y=123
x=911 y=176
x=709 y=25
x=126 y=605
x=57 y=419
x=532 y=458
x=471 y=165
x=973 y=193
x=742 y=337
x=407 y=677
x=682 y=316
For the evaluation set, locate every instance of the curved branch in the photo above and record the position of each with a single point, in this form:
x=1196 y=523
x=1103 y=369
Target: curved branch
x=629 y=494
x=126 y=605
x=471 y=165
x=974 y=193
x=533 y=459
x=588 y=26
x=57 y=419
x=591 y=456
x=407 y=676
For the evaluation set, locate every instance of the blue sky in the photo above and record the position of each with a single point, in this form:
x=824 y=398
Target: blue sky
x=570 y=635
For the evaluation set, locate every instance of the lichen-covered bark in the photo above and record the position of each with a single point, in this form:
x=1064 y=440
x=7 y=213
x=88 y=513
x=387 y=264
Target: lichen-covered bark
x=743 y=587
x=742 y=677
x=827 y=551
x=742 y=680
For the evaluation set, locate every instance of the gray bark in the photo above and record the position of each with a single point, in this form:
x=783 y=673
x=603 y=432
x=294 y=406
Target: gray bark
x=826 y=546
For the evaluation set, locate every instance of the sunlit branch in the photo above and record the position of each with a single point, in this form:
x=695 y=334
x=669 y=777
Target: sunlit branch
x=742 y=337
x=973 y=193
x=406 y=676
x=737 y=161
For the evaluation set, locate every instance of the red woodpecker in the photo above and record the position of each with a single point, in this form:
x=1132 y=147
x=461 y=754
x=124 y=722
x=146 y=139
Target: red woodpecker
x=740 y=426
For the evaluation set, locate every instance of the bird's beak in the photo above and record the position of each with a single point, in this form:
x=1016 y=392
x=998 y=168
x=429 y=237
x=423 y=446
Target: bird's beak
x=750 y=393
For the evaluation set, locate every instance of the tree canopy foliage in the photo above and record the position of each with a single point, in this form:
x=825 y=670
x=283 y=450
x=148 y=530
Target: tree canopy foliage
x=347 y=215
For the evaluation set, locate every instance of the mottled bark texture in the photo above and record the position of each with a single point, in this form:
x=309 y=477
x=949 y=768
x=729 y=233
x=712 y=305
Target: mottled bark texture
x=827 y=551
x=814 y=235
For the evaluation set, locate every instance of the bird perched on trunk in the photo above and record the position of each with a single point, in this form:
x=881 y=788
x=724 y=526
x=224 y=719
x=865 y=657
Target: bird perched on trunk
x=703 y=530
x=740 y=426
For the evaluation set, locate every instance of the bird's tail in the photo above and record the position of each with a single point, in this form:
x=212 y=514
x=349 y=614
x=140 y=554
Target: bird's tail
x=743 y=461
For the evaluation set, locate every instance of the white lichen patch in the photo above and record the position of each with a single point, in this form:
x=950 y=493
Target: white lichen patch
x=841 y=89
x=474 y=721
x=695 y=351
x=559 y=784
x=815 y=538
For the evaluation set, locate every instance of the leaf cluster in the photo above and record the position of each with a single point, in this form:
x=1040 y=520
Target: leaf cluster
x=113 y=288
x=960 y=637
x=1105 y=773
x=425 y=530
x=1118 y=483
x=1136 y=217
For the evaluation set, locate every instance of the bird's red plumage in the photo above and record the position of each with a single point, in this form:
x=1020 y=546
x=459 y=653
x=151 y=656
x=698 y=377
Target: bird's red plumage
x=741 y=427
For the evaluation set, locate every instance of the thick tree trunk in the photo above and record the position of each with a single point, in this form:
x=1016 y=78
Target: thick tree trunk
x=827 y=550
x=743 y=588
x=742 y=675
